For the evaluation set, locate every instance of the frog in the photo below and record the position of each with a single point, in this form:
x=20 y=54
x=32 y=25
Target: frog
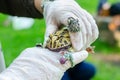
x=60 y=41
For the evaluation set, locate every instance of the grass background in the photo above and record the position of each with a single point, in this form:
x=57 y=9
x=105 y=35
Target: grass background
x=13 y=42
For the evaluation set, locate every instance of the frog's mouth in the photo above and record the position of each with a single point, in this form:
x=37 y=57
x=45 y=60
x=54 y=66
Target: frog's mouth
x=59 y=49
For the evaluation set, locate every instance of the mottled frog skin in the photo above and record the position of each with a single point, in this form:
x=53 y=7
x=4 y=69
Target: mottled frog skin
x=60 y=40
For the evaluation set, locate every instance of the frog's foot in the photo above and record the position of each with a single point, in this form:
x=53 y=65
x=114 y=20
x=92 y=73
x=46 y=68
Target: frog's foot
x=90 y=49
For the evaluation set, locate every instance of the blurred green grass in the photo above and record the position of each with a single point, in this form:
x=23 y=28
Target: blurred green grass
x=105 y=70
x=14 y=42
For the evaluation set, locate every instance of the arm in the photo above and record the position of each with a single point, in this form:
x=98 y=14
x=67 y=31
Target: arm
x=39 y=64
x=24 y=8
x=2 y=62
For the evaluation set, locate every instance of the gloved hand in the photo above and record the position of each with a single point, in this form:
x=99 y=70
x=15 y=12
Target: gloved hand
x=39 y=64
x=57 y=12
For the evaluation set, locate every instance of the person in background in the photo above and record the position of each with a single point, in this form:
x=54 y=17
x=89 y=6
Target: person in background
x=114 y=11
x=114 y=25
x=32 y=64
x=105 y=9
x=100 y=7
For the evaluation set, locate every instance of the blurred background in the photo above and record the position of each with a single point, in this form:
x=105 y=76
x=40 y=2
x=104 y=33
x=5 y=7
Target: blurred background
x=16 y=34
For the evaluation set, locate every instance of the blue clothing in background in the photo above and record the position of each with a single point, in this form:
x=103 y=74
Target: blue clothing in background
x=100 y=4
x=82 y=71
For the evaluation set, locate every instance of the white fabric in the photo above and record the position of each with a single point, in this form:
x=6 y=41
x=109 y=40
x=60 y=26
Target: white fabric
x=57 y=12
x=2 y=62
x=20 y=23
x=39 y=64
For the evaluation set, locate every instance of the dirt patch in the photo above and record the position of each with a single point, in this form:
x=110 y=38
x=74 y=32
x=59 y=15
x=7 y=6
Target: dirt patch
x=109 y=58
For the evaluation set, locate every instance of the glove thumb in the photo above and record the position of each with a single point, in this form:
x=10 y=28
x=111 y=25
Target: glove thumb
x=77 y=57
x=50 y=29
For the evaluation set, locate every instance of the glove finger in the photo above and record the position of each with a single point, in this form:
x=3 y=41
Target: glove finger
x=87 y=25
x=88 y=33
x=64 y=10
x=51 y=28
x=78 y=39
x=94 y=27
x=77 y=57
x=83 y=37
x=63 y=18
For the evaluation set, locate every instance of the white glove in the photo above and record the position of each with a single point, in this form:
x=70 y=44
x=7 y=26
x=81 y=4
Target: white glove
x=2 y=62
x=57 y=12
x=39 y=64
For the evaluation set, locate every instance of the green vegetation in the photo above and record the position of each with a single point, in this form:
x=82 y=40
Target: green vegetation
x=105 y=70
x=105 y=47
x=14 y=42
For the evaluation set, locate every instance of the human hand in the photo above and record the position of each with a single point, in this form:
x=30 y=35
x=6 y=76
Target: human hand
x=58 y=12
x=40 y=64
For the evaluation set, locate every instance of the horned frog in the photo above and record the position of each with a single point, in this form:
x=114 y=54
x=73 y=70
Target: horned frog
x=60 y=40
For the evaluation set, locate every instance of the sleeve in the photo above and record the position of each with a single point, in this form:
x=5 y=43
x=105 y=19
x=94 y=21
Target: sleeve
x=23 y=8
